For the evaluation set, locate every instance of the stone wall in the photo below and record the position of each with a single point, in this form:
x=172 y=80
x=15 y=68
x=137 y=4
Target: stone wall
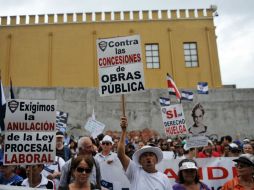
x=227 y=111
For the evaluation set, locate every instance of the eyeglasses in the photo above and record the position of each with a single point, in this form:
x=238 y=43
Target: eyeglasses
x=241 y=165
x=82 y=170
x=106 y=143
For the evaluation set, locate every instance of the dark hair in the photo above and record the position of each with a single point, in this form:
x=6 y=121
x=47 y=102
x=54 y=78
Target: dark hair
x=228 y=138
x=197 y=106
x=76 y=161
x=180 y=172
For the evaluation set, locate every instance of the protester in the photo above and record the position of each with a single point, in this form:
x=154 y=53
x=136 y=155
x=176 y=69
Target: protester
x=81 y=169
x=189 y=152
x=35 y=179
x=141 y=171
x=8 y=175
x=61 y=149
x=114 y=148
x=85 y=148
x=129 y=150
x=164 y=146
x=53 y=171
x=73 y=147
x=245 y=170
x=188 y=177
x=208 y=151
x=140 y=144
x=248 y=148
x=198 y=115
x=106 y=155
x=178 y=151
x=234 y=150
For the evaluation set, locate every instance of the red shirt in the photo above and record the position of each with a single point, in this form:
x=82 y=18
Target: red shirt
x=203 y=155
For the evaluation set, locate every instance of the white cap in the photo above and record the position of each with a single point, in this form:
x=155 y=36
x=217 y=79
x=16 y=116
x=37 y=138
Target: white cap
x=188 y=165
x=107 y=138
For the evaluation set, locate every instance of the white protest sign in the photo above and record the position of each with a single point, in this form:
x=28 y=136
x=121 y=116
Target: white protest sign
x=173 y=120
x=120 y=65
x=212 y=171
x=196 y=141
x=30 y=132
x=94 y=127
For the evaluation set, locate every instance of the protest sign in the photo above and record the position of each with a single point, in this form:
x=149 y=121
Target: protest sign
x=196 y=141
x=94 y=127
x=30 y=132
x=120 y=65
x=173 y=120
x=212 y=171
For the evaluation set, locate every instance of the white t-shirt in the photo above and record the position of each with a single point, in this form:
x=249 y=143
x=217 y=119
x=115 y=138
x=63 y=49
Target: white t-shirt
x=112 y=156
x=139 y=179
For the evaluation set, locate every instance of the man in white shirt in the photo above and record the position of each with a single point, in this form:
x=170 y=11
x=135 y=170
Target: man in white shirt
x=106 y=155
x=141 y=171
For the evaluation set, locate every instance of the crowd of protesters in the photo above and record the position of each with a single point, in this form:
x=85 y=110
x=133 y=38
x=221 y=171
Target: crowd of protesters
x=77 y=161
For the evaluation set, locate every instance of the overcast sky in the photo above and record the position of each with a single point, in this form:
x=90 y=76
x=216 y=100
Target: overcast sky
x=234 y=25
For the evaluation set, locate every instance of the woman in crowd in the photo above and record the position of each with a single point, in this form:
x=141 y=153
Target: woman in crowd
x=188 y=177
x=81 y=168
x=248 y=148
x=245 y=170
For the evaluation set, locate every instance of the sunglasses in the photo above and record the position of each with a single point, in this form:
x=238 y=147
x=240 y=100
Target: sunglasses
x=240 y=165
x=82 y=170
x=106 y=143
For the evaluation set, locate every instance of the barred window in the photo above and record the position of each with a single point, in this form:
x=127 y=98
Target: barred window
x=152 y=56
x=190 y=54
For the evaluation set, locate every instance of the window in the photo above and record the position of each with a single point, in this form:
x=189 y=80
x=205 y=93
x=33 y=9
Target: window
x=152 y=56
x=190 y=54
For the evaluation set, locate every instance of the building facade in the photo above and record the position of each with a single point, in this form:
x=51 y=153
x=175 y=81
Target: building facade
x=59 y=50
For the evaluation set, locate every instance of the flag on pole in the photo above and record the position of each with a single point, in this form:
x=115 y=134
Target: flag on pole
x=11 y=90
x=93 y=114
x=61 y=121
x=187 y=95
x=2 y=106
x=202 y=88
x=164 y=101
x=172 y=89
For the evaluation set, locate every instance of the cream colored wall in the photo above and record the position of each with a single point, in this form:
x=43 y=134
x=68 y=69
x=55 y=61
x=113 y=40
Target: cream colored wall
x=64 y=54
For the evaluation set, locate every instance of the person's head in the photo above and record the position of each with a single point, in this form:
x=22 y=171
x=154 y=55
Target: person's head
x=140 y=144
x=208 y=149
x=245 y=165
x=227 y=140
x=59 y=140
x=107 y=143
x=34 y=170
x=164 y=145
x=234 y=150
x=7 y=170
x=179 y=149
x=148 y=157
x=85 y=146
x=81 y=168
x=188 y=172
x=198 y=114
x=248 y=148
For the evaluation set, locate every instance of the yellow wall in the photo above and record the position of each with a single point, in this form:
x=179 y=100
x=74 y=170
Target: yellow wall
x=64 y=53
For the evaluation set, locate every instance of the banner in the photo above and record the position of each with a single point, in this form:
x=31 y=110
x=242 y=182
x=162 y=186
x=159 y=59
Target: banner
x=120 y=65
x=173 y=120
x=30 y=132
x=212 y=171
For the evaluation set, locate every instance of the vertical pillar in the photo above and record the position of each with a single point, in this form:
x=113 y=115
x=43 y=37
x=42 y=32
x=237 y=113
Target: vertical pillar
x=172 y=60
x=210 y=54
x=50 y=58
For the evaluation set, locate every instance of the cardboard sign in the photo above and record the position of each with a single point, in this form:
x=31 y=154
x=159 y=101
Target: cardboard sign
x=30 y=132
x=120 y=65
x=94 y=127
x=173 y=120
x=196 y=141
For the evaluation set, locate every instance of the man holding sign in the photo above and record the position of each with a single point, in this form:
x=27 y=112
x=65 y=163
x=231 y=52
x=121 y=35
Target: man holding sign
x=147 y=176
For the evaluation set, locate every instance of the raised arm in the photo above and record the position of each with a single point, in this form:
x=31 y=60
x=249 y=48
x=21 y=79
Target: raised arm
x=125 y=160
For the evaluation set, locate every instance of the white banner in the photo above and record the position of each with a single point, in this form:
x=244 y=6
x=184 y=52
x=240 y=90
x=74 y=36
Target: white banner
x=174 y=120
x=94 y=127
x=120 y=65
x=30 y=132
x=212 y=171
